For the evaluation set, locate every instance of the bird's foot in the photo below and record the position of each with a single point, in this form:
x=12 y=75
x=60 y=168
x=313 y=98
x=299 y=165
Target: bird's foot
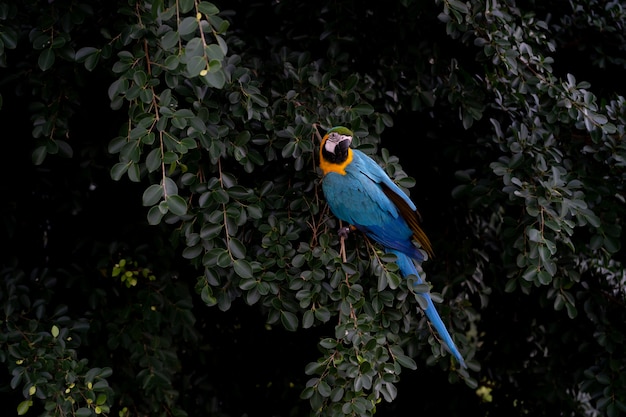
x=343 y=232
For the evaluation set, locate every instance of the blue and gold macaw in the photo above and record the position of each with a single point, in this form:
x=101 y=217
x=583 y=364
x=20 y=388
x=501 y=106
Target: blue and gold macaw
x=359 y=192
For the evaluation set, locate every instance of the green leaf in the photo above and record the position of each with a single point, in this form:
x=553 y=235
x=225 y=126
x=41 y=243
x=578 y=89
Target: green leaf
x=207 y=8
x=188 y=25
x=186 y=5
x=572 y=311
x=544 y=277
x=220 y=25
x=530 y=273
x=152 y=195
x=511 y=285
x=289 y=320
x=322 y=314
x=214 y=52
x=248 y=283
x=459 y=6
x=211 y=230
x=83 y=412
x=421 y=288
x=39 y=155
x=83 y=53
x=8 y=36
x=237 y=248
x=46 y=59
x=117 y=87
x=533 y=235
x=170 y=40
x=195 y=65
x=471 y=383
x=216 y=79
x=389 y=391
x=105 y=372
x=207 y=296
x=242 y=268
x=324 y=389
x=140 y=78
x=118 y=170
x=308 y=319
x=406 y=362
x=421 y=300
x=172 y=62
x=307 y=393
x=91 y=374
x=153 y=160
x=177 y=205
x=154 y=216
x=313 y=368
x=394 y=280
x=603 y=378
x=137 y=133
x=259 y=99
x=363 y=109
x=134 y=174
x=192 y=252
x=224 y=260
x=559 y=302
x=598 y=118
x=100 y=385
x=22 y=408
x=194 y=48
x=612 y=244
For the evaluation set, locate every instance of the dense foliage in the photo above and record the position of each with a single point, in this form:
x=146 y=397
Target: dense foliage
x=169 y=251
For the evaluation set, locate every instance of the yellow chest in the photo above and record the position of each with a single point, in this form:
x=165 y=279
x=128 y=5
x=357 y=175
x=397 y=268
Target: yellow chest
x=339 y=168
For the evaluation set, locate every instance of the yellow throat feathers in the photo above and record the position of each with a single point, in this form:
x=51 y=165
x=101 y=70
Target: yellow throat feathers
x=339 y=168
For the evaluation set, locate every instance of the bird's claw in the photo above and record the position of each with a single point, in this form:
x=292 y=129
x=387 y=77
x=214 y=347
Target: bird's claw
x=344 y=232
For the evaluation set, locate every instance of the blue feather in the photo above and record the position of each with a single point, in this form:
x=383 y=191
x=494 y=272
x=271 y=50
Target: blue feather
x=407 y=267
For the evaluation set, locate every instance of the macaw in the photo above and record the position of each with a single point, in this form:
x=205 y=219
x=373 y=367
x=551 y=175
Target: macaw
x=359 y=192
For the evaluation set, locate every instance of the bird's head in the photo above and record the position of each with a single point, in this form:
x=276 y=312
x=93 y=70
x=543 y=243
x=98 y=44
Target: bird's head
x=335 y=147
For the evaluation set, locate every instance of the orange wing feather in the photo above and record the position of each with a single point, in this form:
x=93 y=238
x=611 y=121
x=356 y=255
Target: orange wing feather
x=412 y=218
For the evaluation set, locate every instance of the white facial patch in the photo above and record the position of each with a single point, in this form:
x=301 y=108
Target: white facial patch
x=333 y=139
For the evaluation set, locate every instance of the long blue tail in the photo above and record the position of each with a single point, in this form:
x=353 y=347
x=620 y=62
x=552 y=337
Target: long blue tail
x=407 y=267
